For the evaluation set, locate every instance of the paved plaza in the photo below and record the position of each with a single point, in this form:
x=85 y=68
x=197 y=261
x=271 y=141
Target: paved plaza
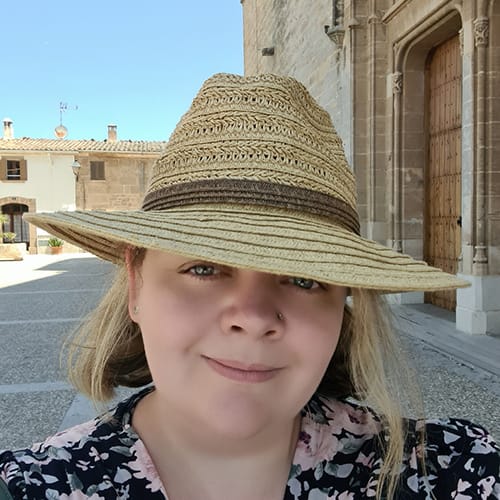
x=44 y=297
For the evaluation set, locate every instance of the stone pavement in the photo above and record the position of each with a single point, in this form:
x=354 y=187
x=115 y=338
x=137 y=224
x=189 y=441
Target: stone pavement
x=459 y=373
x=435 y=327
x=44 y=297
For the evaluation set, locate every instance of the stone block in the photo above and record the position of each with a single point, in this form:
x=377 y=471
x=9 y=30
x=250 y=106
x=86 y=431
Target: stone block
x=469 y=321
x=479 y=305
x=494 y=256
x=414 y=247
x=412 y=229
x=405 y=298
x=12 y=251
x=483 y=294
x=467 y=256
x=376 y=231
x=493 y=323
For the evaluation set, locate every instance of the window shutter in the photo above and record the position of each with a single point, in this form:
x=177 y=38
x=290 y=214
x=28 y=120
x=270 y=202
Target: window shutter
x=97 y=171
x=3 y=169
x=24 y=170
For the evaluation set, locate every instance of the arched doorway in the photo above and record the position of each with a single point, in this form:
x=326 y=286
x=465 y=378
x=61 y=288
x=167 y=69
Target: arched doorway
x=15 y=222
x=443 y=179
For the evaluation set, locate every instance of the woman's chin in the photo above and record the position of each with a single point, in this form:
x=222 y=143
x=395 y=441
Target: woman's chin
x=237 y=418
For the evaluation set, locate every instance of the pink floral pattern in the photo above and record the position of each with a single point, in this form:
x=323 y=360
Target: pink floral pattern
x=338 y=456
x=144 y=468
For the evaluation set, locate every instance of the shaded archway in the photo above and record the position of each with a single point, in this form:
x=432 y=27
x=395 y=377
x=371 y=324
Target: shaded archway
x=14 y=207
x=15 y=223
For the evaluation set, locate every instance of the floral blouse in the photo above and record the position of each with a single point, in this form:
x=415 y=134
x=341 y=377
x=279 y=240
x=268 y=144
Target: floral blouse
x=338 y=456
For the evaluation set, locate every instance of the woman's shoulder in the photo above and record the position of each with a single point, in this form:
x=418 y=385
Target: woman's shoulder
x=461 y=459
x=340 y=450
x=45 y=466
x=72 y=459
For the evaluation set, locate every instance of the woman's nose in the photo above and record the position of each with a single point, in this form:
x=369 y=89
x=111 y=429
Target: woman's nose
x=252 y=307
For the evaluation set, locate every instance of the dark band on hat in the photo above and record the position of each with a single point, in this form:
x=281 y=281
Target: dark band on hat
x=250 y=192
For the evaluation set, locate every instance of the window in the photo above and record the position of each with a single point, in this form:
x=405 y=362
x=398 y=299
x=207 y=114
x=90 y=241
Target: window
x=97 y=171
x=13 y=169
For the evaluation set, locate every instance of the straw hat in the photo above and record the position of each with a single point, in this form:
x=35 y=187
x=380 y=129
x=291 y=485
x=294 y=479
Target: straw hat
x=254 y=176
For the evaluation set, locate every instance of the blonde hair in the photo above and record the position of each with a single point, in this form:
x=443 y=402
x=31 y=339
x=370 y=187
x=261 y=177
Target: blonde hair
x=368 y=364
x=375 y=371
x=107 y=351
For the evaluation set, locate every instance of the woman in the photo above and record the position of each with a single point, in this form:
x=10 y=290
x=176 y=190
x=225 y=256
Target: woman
x=246 y=295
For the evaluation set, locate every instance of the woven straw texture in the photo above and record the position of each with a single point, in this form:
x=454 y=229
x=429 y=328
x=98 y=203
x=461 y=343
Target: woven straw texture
x=254 y=176
x=261 y=128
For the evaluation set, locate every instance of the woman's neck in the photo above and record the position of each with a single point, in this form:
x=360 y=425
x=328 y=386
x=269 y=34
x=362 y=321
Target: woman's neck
x=196 y=465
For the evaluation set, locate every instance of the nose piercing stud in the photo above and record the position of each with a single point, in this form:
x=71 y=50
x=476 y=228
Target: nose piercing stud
x=280 y=316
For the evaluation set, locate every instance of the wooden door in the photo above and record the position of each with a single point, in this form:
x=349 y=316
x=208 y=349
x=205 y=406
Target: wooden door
x=442 y=245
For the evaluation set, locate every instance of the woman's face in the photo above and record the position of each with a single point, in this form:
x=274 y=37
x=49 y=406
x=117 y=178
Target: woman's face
x=219 y=352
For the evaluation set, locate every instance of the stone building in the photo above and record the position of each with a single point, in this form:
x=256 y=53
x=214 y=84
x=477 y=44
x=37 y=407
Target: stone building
x=36 y=175
x=413 y=88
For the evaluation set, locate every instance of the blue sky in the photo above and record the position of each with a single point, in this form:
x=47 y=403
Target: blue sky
x=136 y=64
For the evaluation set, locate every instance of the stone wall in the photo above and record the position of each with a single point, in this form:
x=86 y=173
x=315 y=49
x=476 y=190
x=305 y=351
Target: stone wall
x=296 y=32
x=126 y=180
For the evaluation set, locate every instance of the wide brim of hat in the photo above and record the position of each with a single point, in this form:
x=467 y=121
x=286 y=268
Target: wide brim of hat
x=266 y=240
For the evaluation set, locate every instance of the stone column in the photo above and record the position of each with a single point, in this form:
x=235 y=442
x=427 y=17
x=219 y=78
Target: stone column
x=396 y=205
x=375 y=227
x=480 y=260
x=478 y=307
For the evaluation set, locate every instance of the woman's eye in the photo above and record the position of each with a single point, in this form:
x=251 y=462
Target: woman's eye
x=304 y=283
x=203 y=270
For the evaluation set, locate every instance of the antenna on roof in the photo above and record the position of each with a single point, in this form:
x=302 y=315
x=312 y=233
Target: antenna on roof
x=61 y=131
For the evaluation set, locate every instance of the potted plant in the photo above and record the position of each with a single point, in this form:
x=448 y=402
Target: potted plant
x=55 y=245
x=9 y=237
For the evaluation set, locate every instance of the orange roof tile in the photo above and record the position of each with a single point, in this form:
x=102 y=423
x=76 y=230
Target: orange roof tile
x=81 y=146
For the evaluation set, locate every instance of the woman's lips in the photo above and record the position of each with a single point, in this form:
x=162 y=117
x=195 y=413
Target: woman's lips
x=242 y=372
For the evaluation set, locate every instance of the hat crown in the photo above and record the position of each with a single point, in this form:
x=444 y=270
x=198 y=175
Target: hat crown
x=259 y=140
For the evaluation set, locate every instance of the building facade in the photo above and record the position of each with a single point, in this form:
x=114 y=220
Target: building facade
x=413 y=88
x=45 y=175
